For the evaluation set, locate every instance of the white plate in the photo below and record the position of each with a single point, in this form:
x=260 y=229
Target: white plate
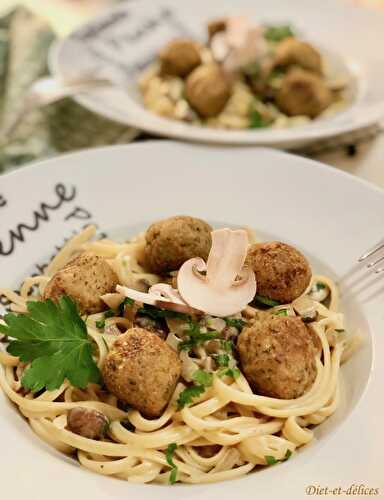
x=330 y=215
x=122 y=42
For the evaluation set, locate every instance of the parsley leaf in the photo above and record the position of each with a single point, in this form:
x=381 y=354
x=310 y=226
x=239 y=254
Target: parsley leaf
x=236 y=322
x=281 y=312
x=272 y=460
x=227 y=345
x=187 y=395
x=156 y=313
x=222 y=359
x=126 y=302
x=229 y=372
x=278 y=33
x=100 y=323
x=169 y=457
x=252 y=69
x=256 y=120
x=196 y=336
x=54 y=338
x=320 y=286
x=203 y=378
x=266 y=301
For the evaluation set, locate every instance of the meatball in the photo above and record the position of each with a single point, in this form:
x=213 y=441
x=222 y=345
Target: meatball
x=282 y=272
x=88 y=423
x=303 y=93
x=170 y=242
x=208 y=90
x=292 y=51
x=179 y=57
x=142 y=370
x=84 y=279
x=278 y=357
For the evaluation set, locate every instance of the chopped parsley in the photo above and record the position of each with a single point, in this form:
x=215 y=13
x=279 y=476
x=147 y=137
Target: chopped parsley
x=278 y=33
x=227 y=345
x=320 y=286
x=256 y=120
x=266 y=301
x=236 y=322
x=126 y=302
x=203 y=378
x=53 y=338
x=252 y=69
x=229 y=372
x=169 y=457
x=277 y=72
x=222 y=360
x=270 y=460
x=100 y=323
x=339 y=330
x=195 y=337
x=187 y=395
x=281 y=312
x=156 y=313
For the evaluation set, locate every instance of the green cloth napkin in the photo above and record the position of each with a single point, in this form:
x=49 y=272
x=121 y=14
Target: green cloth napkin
x=65 y=126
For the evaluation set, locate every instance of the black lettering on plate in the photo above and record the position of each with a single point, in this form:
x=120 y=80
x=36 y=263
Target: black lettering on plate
x=79 y=213
x=63 y=193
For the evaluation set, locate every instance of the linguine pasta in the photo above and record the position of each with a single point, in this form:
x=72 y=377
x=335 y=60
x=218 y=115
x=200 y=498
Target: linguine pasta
x=225 y=433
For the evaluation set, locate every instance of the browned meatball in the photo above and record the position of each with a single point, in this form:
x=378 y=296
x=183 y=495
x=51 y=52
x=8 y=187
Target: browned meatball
x=142 y=370
x=282 y=272
x=303 y=93
x=208 y=90
x=179 y=57
x=87 y=422
x=170 y=242
x=292 y=51
x=278 y=357
x=84 y=279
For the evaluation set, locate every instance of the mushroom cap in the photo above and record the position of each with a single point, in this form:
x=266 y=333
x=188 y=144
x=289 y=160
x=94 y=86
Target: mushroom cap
x=208 y=89
x=227 y=287
x=179 y=57
x=303 y=93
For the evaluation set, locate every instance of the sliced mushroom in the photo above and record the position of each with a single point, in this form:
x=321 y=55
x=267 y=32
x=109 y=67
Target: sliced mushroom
x=305 y=308
x=227 y=287
x=160 y=295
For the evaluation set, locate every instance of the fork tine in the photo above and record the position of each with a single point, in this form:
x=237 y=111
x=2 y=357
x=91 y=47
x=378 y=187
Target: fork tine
x=379 y=270
x=373 y=264
x=375 y=249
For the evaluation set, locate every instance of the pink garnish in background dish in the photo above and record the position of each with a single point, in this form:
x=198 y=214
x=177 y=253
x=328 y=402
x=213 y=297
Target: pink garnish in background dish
x=239 y=45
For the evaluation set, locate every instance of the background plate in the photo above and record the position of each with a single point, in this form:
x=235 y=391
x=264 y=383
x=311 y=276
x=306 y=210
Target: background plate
x=123 y=41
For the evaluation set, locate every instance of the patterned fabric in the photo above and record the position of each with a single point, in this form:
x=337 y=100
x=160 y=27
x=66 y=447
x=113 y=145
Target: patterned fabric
x=24 y=43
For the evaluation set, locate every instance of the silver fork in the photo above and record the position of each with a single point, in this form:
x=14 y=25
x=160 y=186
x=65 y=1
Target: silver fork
x=376 y=253
x=46 y=91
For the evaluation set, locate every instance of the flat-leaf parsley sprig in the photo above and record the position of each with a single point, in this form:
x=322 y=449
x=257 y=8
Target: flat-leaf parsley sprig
x=53 y=338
